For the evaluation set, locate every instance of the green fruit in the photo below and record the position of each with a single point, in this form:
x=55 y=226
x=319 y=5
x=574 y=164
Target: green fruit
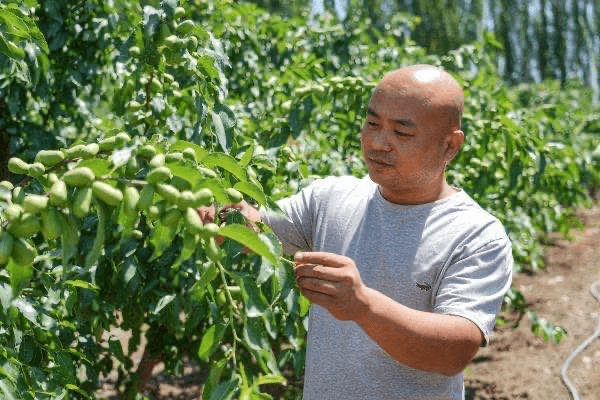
x=122 y=138
x=137 y=234
x=234 y=195
x=49 y=157
x=18 y=166
x=209 y=230
x=91 y=150
x=171 y=217
x=107 y=144
x=146 y=151
x=23 y=253
x=82 y=202
x=174 y=157
x=107 y=193
x=18 y=195
x=132 y=167
x=179 y=12
x=189 y=154
x=36 y=169
x=6 y=246
x=193 y=220
x=157 y=161
x=76 y=151
x=51 y=224
x=79 y=177
x=204 y=197
x=156 y=85
x=34 y=203
x=134 y=50
x=211 y=249
x=13 y=212
x=168 y=192
x=146 y=197
x=186 y=199
x=185 y=27
x=28 y=225
x=171 y=40
x=153 y=212
x=209 y=173
x=7 y=185
x=58 y=194
x=131 y=199
x=159 y=174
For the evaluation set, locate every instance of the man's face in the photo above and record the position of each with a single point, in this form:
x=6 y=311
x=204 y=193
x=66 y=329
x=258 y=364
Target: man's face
x=403 y=144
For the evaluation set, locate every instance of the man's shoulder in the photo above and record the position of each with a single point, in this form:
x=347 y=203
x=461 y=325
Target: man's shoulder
x=469 y=214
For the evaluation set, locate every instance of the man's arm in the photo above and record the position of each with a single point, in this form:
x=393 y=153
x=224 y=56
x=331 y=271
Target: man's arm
x=439 y=343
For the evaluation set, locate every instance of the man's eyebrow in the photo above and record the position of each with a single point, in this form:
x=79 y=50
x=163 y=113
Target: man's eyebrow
x=405 y=122
x=370 y=111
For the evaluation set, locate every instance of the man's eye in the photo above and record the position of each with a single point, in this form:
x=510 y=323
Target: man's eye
x=402 y=134
x=373 y=124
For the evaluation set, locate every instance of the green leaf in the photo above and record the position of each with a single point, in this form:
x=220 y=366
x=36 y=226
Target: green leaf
x=226 y=162
x=255 y=302
x=214 y=376
x=220 y=132
x=253 y=191
x=69 y=237
x=255 y=335
x=211 y=340
x=191 y=175
x=92 y=257
x=207 y=276
x=82 y=284
x=247 y=156
x=163 y=302
x=225 y=390
x=99 y=166
x=19 y=275
x=247 y=237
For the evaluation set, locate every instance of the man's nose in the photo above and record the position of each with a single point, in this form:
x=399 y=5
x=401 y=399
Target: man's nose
x=380 y=140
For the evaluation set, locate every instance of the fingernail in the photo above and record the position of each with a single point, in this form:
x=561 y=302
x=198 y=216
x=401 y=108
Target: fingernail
x=299 y=256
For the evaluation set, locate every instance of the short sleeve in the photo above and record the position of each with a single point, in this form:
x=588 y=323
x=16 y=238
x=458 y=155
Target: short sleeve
x=294 y=228
x=473 y=286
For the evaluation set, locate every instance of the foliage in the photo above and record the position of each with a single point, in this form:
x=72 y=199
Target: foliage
x=228 y=96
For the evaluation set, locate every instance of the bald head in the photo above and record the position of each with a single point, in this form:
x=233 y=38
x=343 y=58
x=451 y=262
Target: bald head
x=431 y=87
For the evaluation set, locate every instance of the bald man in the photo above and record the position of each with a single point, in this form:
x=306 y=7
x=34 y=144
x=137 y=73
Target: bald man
x=406 y=273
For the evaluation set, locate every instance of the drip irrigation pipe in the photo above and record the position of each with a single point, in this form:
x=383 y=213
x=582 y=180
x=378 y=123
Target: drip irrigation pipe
x=594 y=290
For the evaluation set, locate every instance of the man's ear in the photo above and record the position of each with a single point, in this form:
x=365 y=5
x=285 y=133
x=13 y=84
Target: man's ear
x=453 y=143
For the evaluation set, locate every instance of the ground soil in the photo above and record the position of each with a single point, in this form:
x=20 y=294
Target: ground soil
x=516 y=364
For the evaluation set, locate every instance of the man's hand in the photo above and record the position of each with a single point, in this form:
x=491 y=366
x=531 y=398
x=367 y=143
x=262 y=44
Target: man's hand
x=333 y=282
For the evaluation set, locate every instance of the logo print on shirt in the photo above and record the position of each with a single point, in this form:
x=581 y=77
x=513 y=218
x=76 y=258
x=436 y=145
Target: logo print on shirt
x=425 y=287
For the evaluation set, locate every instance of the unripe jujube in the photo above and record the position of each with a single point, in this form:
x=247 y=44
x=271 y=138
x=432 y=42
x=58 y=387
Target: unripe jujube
x=107 y=193
x=49 y=158
x=81 y=176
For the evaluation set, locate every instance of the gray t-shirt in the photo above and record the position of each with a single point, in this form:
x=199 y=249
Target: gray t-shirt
x=449 y=257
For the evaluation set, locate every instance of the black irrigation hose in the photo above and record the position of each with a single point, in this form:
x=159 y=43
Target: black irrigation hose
x=563 y=371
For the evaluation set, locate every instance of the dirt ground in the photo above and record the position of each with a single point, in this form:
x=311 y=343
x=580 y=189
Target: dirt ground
x=516 y=364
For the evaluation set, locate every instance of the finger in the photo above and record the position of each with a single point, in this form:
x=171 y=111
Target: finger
x=318 y=285
x=323 y=258
x=319 y=271
x=207 y=214
x=316 y=297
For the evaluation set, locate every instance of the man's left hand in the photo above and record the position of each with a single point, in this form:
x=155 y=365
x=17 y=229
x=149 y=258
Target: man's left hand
x=333 y=282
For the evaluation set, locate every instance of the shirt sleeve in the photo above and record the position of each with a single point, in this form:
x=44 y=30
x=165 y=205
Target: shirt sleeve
x=294 y=228
x=473 y=287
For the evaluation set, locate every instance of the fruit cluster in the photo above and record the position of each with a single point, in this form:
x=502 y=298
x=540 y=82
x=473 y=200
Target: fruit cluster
x=143 y=184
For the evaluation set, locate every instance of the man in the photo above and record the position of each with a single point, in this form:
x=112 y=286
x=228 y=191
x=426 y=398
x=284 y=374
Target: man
x=406 y=273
